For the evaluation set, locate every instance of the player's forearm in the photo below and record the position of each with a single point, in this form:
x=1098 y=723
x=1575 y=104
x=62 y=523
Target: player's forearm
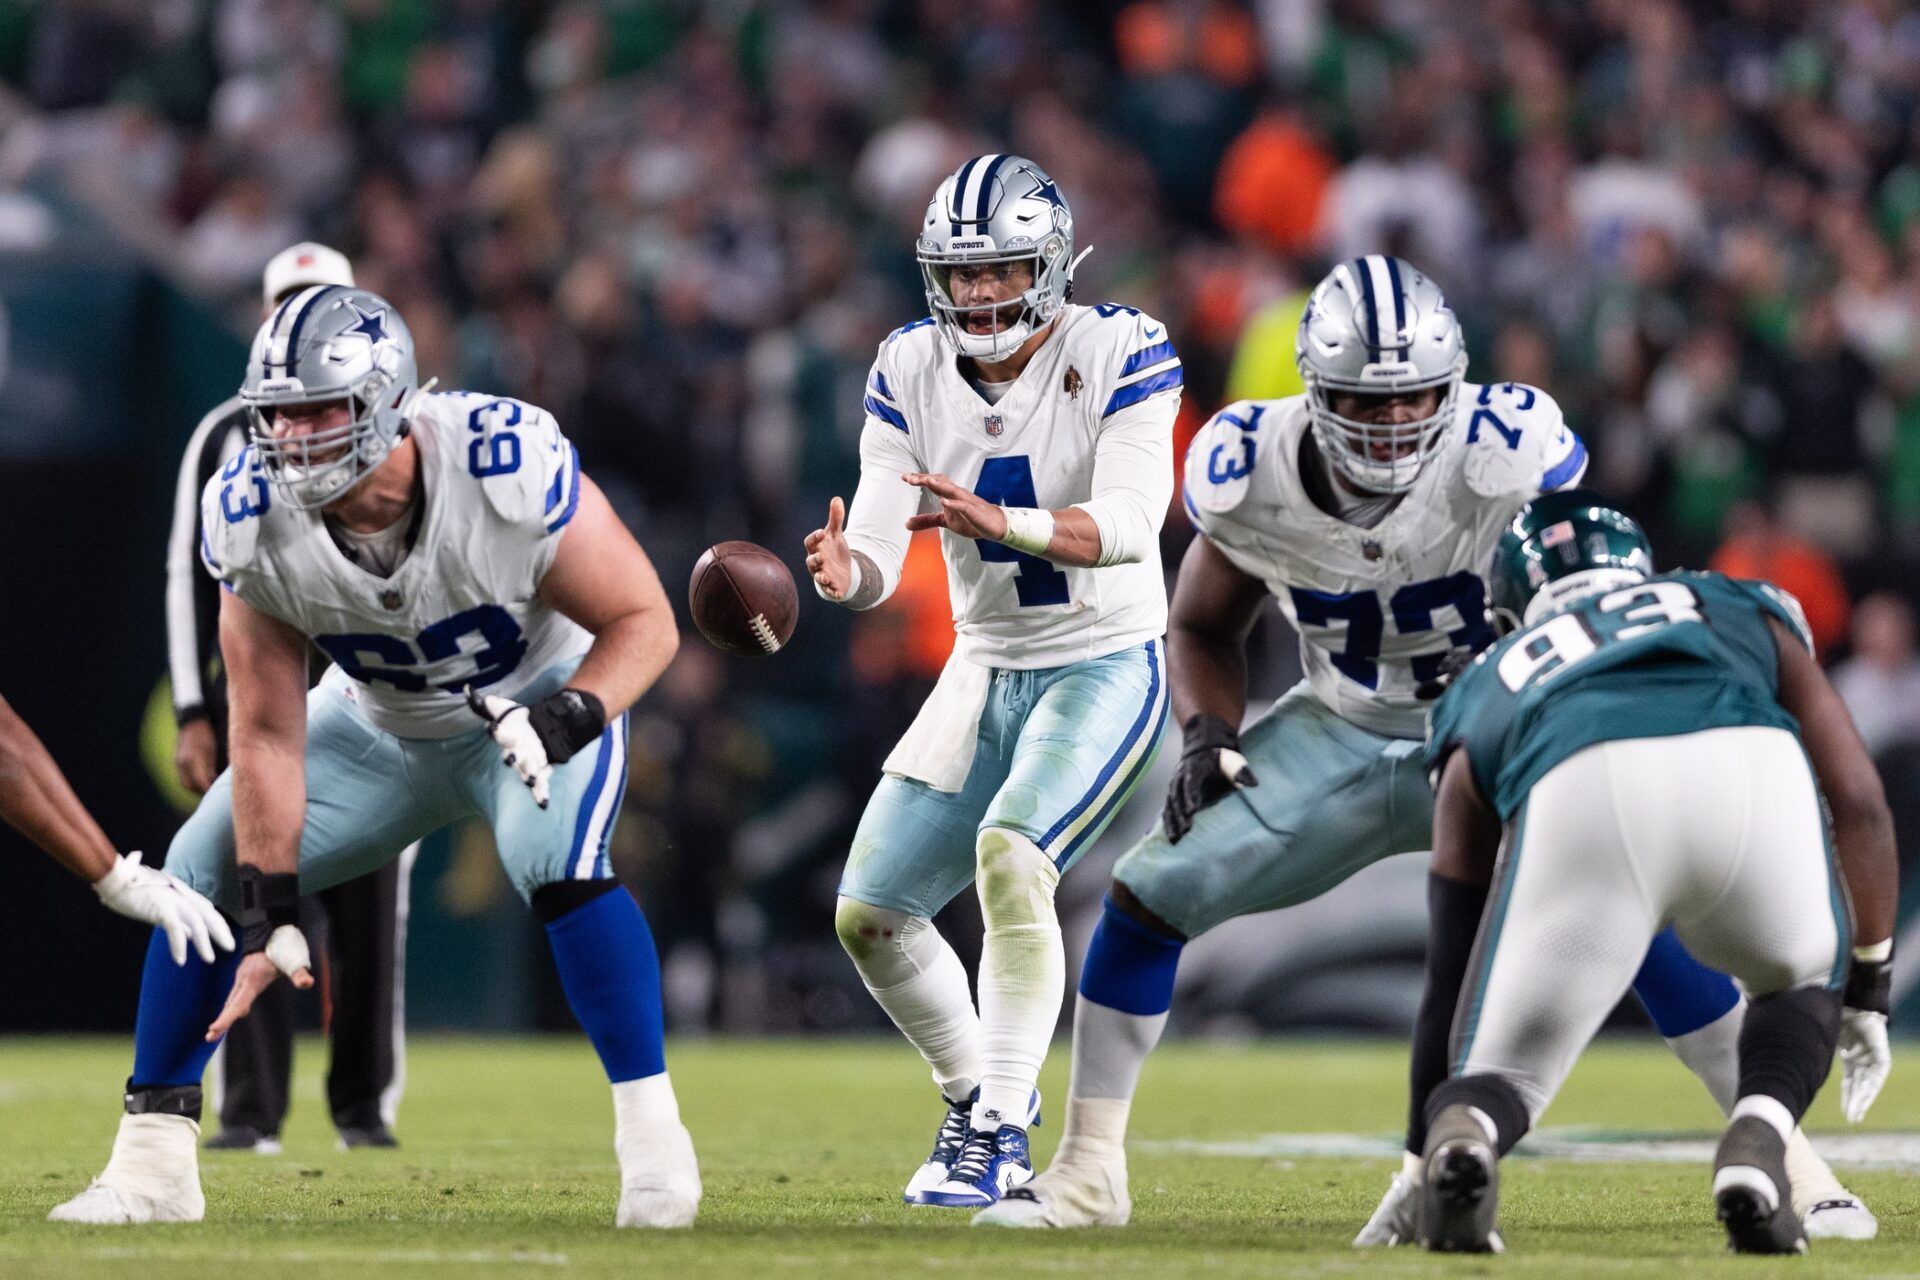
x=269 y=799
x=1209 y=676
x=627 y=656
x=1863 y=842
x=36 y=801
x=1076 y=539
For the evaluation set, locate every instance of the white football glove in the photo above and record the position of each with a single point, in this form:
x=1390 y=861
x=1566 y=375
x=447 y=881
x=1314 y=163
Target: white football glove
x=509 y=723
x=150 y=894
x=1865 y=1060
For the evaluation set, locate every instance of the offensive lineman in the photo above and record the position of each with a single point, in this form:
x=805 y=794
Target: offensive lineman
x=1368 y=507
x=1042 y=434
x=432 y=546
x=1647 y=751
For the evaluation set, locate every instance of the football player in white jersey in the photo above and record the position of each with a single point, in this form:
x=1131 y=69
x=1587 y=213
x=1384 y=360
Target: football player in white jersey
x=1368 y=507
x=1037 y=437
x=448 y=554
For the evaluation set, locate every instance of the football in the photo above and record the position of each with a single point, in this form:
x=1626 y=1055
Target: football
x=743 y=599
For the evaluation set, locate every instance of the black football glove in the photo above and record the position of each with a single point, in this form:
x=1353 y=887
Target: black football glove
x=1211 y=767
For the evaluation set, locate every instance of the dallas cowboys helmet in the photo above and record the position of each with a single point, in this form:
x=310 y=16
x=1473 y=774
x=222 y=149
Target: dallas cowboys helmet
x=997 y=209
x=329 y=342
x=1377 y=326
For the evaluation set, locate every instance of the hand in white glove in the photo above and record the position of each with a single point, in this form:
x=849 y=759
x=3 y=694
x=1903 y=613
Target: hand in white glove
x=150 y=894
x=1865 y=1060
x=510 y=724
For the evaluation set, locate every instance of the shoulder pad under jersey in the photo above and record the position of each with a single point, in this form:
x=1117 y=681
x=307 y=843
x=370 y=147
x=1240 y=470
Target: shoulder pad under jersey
x=233 y=509
x=1517 y=442
x=1223 y=455
x=1138 y=358
x=526 y=467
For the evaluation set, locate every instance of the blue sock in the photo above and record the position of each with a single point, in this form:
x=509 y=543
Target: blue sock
x=177 y=1004
x=1129 y=967
x=1681 y=994
x=611 y=975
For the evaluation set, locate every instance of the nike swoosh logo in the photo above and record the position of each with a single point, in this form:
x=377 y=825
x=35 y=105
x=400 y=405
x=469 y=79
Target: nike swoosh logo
x=1150 y=333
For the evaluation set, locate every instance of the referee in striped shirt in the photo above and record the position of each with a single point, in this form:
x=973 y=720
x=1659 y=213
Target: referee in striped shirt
x=363 y=921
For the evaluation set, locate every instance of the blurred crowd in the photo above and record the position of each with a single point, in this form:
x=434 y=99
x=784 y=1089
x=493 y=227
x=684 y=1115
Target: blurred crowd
x=683 y=226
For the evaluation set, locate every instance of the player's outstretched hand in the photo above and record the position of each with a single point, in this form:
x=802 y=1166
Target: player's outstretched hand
x=1211 y=767
x=510 y=724
x=962 y=512
x=286 y=953
x=150 y=894
x=829 y=559
x=1865 y=1056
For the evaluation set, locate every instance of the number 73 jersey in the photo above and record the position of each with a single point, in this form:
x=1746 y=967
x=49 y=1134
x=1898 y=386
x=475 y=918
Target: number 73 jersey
x=500 y=484
x=1379 y=610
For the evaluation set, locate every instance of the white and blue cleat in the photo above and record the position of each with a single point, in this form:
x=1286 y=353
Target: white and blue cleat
x=949 y=1143
x=990 y=1165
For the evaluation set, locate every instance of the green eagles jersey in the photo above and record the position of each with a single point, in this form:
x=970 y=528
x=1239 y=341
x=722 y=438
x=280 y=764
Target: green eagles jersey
x=1675 y=654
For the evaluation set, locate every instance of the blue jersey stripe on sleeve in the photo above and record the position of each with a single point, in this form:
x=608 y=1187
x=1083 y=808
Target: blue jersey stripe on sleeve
x=886 y=413
x=555 y=523
x=1567 y=469
x=1158 y=353
x=1134 y=392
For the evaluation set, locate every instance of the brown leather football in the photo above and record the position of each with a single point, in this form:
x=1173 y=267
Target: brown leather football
x=743 y=599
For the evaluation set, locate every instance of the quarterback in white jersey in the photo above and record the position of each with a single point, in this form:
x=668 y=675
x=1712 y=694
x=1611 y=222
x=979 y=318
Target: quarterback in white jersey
x=483 y=606
x=1369 y=507
x=1037 y=437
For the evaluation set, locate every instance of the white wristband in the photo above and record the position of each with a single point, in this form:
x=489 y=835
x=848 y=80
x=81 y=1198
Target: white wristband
x=1029 y=529
x=853 y=583
x=1875 y=953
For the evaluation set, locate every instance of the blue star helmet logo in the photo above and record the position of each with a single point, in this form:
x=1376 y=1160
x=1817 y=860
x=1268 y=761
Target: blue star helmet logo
x=1050 y=192
x=372 y=326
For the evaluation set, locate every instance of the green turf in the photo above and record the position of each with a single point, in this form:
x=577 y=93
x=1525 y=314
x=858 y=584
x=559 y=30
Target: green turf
x=507 y=1169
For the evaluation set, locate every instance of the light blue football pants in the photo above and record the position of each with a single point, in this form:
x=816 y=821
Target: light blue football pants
x=1333 y=798
x=371 y=794
x=1059 y=751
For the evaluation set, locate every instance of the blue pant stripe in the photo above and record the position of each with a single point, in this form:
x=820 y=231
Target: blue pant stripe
x=1113 y=763
x=589 y=803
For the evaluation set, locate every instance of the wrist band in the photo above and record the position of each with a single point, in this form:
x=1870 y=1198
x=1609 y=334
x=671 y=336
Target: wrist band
x=568 y=722
x=1875 y=953
x=266 y=903
x=1029 y=529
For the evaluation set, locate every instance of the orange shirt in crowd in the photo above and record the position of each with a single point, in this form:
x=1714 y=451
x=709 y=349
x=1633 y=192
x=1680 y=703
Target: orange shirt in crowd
x=1794 y=565
x=1271 y=184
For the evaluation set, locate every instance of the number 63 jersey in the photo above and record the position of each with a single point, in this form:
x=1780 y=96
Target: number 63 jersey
x=1379 y=610
x=500 y=484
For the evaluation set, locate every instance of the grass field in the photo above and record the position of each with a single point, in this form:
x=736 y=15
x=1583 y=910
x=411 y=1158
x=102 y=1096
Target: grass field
x=507 y=1169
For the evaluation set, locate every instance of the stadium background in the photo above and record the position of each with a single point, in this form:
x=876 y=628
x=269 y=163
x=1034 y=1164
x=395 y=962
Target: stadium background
x=684 y=226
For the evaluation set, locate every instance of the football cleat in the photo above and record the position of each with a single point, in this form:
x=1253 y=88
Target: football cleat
x=103 y=1204
x=1750 y=1192
x=372 y=1135
x=1461 y=1189
x=989 y=1165
x=244 y=1137
x=665 y=1193
x=1842 y=1218
x=1397 y=1220
x=153 y=1175
x=1068 y=1194
x=947 y=1142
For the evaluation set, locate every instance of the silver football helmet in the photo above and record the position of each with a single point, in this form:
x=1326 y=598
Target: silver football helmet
x=998 y=209
x=1377 y=326
x=325 y=343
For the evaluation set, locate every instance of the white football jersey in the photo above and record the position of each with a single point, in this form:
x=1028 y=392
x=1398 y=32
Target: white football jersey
x=1379 y=609
x=1105 y=385
x=501 y=483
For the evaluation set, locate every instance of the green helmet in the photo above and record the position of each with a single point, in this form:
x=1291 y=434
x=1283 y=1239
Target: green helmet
x=1562 y=546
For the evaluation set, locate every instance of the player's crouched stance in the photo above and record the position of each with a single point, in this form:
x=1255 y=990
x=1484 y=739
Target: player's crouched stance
x=1041 y=433
x=449 y=556
x=1645 y=751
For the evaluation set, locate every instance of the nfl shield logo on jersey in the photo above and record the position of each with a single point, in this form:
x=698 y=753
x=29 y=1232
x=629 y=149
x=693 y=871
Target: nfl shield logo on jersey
x=1371 y=549
x=390 y=598
x=995 y=424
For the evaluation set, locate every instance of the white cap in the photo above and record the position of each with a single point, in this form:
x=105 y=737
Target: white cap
x=301 y=265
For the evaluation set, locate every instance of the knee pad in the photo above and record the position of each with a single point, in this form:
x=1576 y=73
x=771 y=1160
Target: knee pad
x=1015 y=879
x=871 y=935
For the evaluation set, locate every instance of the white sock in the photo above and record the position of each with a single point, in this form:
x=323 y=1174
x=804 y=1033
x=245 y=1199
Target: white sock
x=1812 y=1179
x=1023 y=973
x=155 y=1156
x=1772 y=1110
x=648 y=1137
x=1109 y=1048
x=1095 y=1132
x=915 y=976
x=1712 y=1052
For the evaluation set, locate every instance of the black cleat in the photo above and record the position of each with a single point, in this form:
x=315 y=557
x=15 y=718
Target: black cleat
x=244 y=1137
x=373 y=1135
x=1461 y=1193
x=1751 y=1193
